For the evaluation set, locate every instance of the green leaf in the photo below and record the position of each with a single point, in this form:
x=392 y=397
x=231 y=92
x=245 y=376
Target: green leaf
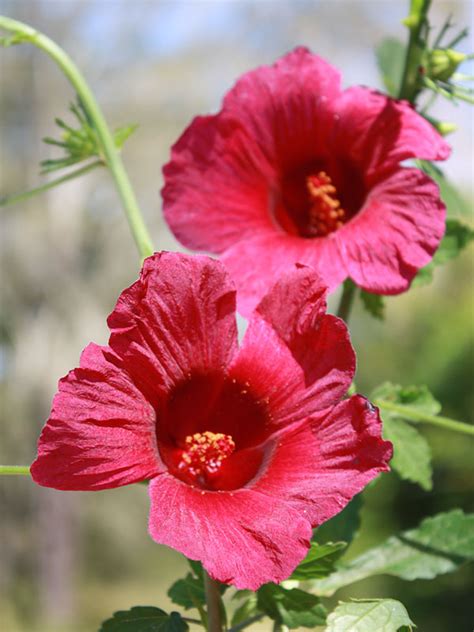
x=122 y=133
x=416 y=397
x=344 y=526
x=374 y=304
x=411 y=452
x=188 y=592
x=291 y=607
x=371 y=615
x=456 y=238
x=438 y=545
x=245 y=611
x=319 y=562
x=390 y=59
x=144 y=619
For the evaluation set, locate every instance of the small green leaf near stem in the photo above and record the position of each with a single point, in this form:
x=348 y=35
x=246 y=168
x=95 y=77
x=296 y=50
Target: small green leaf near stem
x=349 y=290
x=91 y=107
x=20 y=197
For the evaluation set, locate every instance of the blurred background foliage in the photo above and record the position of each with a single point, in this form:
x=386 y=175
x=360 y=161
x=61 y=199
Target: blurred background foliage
x=69 y=560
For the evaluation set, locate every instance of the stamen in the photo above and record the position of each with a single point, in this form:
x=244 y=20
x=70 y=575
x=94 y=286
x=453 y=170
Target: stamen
x=325 y=212
x=205 y=453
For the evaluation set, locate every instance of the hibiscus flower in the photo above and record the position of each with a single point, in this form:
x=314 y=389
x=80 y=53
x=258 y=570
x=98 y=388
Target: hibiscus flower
x=292 y=169
x=246 y=449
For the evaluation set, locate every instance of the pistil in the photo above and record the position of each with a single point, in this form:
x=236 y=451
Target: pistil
x=204 y=454
x=325 y=214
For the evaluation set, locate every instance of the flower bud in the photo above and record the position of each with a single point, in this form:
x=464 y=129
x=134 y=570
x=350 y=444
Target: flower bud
x=443 y=63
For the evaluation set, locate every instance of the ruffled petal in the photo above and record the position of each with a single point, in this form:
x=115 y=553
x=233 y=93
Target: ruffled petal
x=256 y=264
x=179 y=317
x=377 y=132
x=101 y=431
x=242 y=537
x=319 y=466
x=395 y=234
x=223 y=180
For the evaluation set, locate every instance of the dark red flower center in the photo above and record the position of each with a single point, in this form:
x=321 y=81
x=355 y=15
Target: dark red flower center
x=211 y=432
x=318 y=198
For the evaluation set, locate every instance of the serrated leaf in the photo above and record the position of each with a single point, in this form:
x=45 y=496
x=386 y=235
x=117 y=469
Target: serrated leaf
x=411 y=452
x=376 y=615
x=291 y=607
x=390 y=59
x=344 y=526
x=144 y=619
x=319 y=562
x=439 y=545
x=374 y=304
x=122 y=133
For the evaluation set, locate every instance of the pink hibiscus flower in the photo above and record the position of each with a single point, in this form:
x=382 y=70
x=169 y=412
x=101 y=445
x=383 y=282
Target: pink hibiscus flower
x=246 y=449
x=292 y=169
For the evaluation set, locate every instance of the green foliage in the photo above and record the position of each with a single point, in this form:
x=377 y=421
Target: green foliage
x=319 y=562
x=144 y=619
x=456 y=205
x=291 y=607
x=374 y=304
x=411 y=452
x=369 y=615
x=456 y=238
x=82 y=142
x=246 y=610
x=344 y=526
x=438 y=545
x=189 y=592
x=390 y=59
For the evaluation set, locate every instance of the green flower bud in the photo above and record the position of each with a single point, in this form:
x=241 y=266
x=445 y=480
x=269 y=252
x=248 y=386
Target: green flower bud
x=443 y=63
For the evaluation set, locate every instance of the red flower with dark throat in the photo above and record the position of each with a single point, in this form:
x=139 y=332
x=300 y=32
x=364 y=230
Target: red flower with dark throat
x=246 y=449
x=292 y=169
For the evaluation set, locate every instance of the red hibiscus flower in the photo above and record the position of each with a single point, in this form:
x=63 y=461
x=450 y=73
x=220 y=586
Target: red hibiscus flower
x=292 y=169
x=246 y=449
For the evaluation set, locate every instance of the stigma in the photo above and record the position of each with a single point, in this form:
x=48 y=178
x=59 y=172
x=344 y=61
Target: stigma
x=204 y=454
x=325 y=214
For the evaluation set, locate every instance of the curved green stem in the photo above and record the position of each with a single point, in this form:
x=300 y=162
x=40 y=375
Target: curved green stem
x=111 y=154
x=19 y=197
x=411 y=78
x=349 y=290
x=418 y=416
x=213 y=603
x=15 y=470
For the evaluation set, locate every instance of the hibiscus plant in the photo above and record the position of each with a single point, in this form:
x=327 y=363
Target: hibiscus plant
x=255 y=453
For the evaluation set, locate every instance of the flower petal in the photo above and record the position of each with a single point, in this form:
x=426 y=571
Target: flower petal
x=377 y=132
x=243 y=537
x=256 y=264
x=178 y=317
x=224 y=175
x=101 y=431
x=318 y=467
x=395 y=234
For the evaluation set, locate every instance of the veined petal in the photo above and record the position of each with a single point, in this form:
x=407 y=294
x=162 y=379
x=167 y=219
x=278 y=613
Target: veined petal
x=242 y=538
x=101 y=431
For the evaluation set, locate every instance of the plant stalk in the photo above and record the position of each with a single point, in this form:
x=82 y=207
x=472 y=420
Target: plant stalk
x=419 y=417
x=111 y=154
x=15 y=470
x=411 y=78
x=349 y=290
x=213 y=603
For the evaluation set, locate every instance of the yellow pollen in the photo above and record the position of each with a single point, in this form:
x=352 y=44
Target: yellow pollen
x=325 y=212
x=205 y=452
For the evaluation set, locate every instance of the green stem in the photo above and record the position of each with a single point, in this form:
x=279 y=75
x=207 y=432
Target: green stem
x=15 y=470
x=418 y=416
x=111 y=154
x=213 y=603
x=246 y=623
x=19 y=197
x=347 y=300
x=411 y=78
